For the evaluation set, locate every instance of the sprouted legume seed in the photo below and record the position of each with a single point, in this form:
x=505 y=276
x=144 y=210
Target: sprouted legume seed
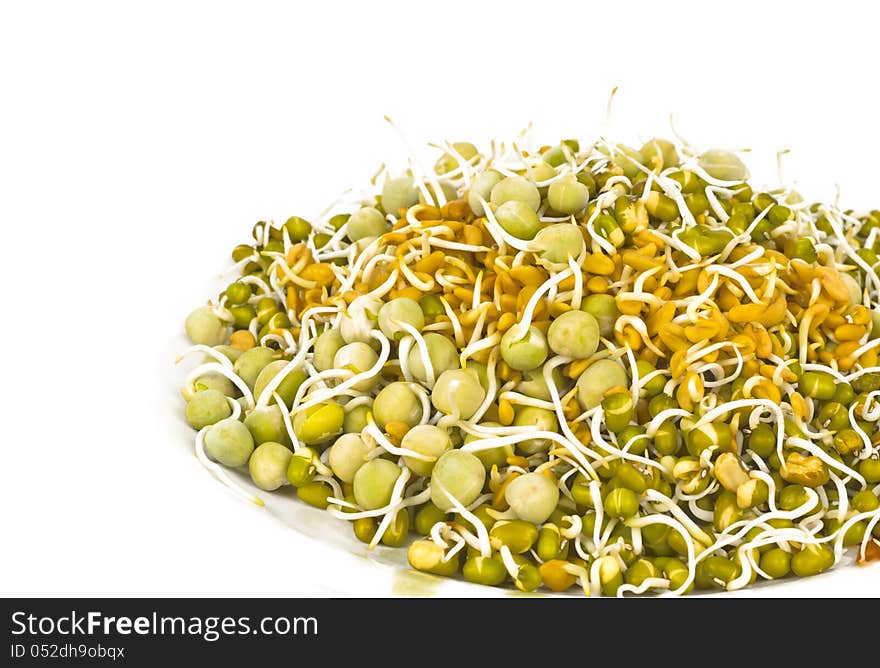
x=626 y=371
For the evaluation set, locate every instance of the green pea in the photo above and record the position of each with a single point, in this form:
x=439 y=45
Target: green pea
x=532 y=497
x=274 y=246
x=726 y=511
x=697 y=203
x=229 y=442
x=723 y=165
x=660 y=403
x=558 y=242
x=654 y=386
x=540 y=419
x=556 y=156
x=568 y=195
x=608 y=229
x=580 y=492
x=482 y=188
x=399 y=193
x=205 y=328
x=298 y=228
x=326 y=345
x=519 y=219
x=237 y=293
x=621 y=503
x=484 y=570
x=586 y=177
x=288 y=387
x=870 y=470
x=574 y=334
x=854 y=534
x=242 y=315
x=533 y=383
x=481 y=512
x=427 y=556
x=357 y=357
x=618 y=409
x=762 y=440
x=397 y=531
x=277 y=321
x=366 y=223
x=677 y=543
x=396 y=402
x=211 y=381
x=603 y=308
x=631 y=478
x=267 y=424
x=817 y=385
x=301 y=469
x=524 y=352
x=528 y=578
x=252 y=362
x=519 y=536
x=457 y=391
x=640 y=570
x=241 y=252
x=549 y=544
x=268 y=465
x=442 y=354
x=347 y=454
x=318 y=423
x=515 y=188
x=355 y=419
x=426 y=517
x=610 y=575
x=812 y=560
x=374 y=482
x=426 y=439
x=431 y=306
x=630 y=439
x=661 y=207
x=865 y=501
x=715 y=572
x=628 y=160
x=833 y=416
x=776 y=563
x=667 y=439
x=707 y=436
x=402 y=309
x=659 y=154
x=207 y=407
x=365 y=529
x=804 y=249
x=450 y=193
x=868 y=382
x=315 y=494
x=779 y=214
x=461 y=475
x=654 y=534
x=449 y=162
x=492 y=456
x=597 y=379
x=266 y=308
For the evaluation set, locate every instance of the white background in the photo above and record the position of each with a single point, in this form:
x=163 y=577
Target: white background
x=140 y=142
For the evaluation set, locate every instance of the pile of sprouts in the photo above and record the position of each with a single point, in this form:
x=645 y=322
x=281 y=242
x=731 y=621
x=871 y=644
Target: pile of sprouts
x=585 y=366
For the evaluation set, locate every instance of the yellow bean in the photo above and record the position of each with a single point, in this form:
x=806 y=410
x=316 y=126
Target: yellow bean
x=598 y=263
x=849 y=332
